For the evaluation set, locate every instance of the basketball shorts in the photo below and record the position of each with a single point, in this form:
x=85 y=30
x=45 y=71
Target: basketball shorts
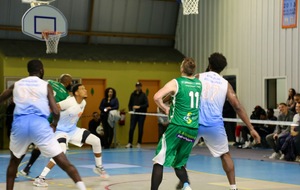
x=215 y=139
x=74 y=137
x=27 y=129
x=175 y=146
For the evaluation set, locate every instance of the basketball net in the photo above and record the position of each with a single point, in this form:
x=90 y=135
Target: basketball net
x=52 y=40
x=190 y=6
x=37 y=3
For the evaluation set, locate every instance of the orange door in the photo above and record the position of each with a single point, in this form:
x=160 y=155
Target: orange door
x=150 y=87
x=95 y=89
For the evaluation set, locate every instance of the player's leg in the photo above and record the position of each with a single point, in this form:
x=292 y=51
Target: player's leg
x=65 y=165
x=216 y=140
x=228 y=167
x=19 y=142
x=93 y=140
x=12 y=170
x=157 y=175
x=40 y=181
x=35 y=153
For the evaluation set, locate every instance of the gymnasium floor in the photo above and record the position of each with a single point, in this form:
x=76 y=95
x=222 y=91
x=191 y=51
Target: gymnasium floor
x=130 y=169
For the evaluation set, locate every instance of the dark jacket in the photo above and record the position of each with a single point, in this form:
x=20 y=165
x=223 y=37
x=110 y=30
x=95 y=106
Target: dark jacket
x=138 y=99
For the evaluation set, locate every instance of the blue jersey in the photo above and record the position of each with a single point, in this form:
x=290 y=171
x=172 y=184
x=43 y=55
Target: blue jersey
x=30 y=95
x=214 y=92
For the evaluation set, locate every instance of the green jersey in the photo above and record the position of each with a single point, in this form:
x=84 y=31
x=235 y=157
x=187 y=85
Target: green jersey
x=59 y=90
x=184 y=110
x=60 y=93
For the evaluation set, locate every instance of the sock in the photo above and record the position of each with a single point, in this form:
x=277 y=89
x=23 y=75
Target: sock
x=233 y=187
x=34 y=155
x=44 y=172
x=98 y=161
x=80 y=185
x=185 y=185
x=157 y=175
x=182 y=174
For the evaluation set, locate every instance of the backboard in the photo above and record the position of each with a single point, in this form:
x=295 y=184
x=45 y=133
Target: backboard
x=43 y=18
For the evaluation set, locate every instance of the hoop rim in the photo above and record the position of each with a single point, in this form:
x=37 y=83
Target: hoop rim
x=46 y=33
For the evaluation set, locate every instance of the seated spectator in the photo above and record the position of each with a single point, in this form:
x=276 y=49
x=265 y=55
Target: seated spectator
x=277 y=138
x=258 y=114
x=93 y=124
x=265 y=129
x=290 y=148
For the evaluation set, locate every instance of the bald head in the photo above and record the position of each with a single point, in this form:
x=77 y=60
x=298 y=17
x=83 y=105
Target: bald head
x=66 y=80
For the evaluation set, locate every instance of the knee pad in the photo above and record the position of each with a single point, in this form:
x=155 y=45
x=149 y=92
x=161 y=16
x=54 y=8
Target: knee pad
x=95 y=142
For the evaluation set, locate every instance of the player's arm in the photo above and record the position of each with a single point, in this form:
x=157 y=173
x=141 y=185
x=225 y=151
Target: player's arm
x=7 y=93
x=240 y=110
x=53 y=107
x=169 y=88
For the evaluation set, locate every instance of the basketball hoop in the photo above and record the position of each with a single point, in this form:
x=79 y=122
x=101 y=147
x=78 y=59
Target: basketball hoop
x=190 y=6
x=52 y=39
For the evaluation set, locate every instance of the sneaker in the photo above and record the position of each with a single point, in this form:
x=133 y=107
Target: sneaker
x=282 y=157
x=201 y=143
x=24 y=173
x=40 y=182
x=187 y=188
x=129 y=145
x=100 y=171
x=247 y=144
x=138 y=145
x=275 y=156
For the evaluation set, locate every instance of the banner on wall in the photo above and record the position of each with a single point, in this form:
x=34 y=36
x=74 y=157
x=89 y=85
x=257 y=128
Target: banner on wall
x=289 y=13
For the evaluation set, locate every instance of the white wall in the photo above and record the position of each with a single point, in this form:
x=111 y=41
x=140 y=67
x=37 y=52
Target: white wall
x=249 y=34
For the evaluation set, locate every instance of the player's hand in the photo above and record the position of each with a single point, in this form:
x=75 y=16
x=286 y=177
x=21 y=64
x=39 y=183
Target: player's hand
x=256 y=136
x=53 y=126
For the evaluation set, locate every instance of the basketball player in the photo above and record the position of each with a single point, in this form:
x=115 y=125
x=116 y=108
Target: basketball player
x=32 y=97
x=67 y=132
x=211 y=126
x=61 y=91
x=176 y=143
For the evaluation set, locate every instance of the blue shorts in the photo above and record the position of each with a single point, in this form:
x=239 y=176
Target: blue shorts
x=27 y=129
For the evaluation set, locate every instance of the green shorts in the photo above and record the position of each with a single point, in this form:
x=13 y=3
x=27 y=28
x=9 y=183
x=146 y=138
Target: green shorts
x=174 y=148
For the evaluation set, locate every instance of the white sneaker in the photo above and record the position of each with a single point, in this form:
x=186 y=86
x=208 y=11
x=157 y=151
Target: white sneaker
x=129 y=145
x=282 y=157
x=23 y=173
x=100 y=171
x=138 y=145
x=201 y=143
x=40 y=182
x=275 y=156
x=187 y=188
x=247 y=144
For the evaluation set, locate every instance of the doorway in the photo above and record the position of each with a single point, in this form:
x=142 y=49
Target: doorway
x=95 y=89
x=150 y=87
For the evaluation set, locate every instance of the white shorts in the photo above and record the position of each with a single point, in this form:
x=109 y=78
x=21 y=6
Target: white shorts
x=27 y=129
x=74 y=137
x=215 y=139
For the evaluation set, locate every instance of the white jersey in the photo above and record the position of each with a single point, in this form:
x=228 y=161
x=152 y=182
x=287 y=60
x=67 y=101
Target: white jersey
x=214 y=90
x=30 y=95
x=69 y=115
